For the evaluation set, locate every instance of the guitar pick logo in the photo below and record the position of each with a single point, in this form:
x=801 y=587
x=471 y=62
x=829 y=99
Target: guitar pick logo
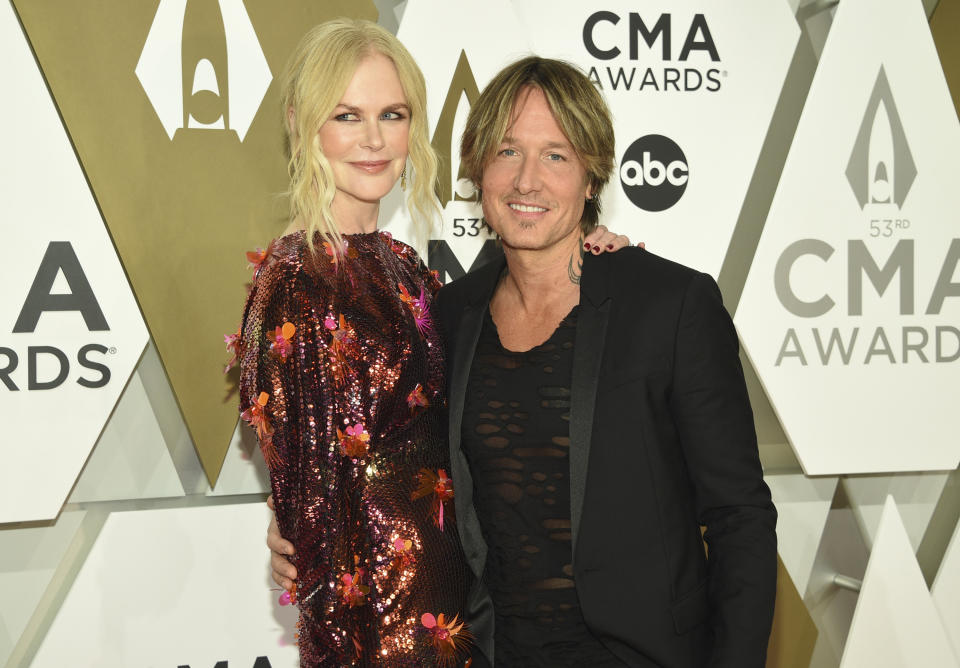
x=202 y=66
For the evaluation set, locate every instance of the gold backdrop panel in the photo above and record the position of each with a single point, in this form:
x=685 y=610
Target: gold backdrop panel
x=173 y=109
x=794 y=633
x=943 y=25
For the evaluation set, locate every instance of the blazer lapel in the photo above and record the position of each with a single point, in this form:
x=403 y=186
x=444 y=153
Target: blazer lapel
x=458 y=368
x=587 y=355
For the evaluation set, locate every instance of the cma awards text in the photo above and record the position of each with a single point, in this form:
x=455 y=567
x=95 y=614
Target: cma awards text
x=903 y=337
x=46 y=367
x=603 y=37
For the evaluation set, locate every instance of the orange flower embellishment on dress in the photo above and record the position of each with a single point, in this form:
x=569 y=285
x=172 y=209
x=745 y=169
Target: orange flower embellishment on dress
x=418 y=306
x=441 y=487
x=280 y=341
x=259 y=257
x=346 y=249
x=256 y=416
x=351 y=590
x=355 y=442
x=340 y=343
x=233 y=347
x=449 y=638
x=417 y=398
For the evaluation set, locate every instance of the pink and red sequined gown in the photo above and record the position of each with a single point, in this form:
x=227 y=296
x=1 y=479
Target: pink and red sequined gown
x=353 y=427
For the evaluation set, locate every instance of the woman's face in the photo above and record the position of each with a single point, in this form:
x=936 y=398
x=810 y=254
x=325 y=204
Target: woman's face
x=365 y=138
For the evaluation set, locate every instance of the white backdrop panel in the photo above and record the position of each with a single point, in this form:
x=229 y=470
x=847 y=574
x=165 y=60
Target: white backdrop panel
x=895 y=623
x=70 y=329
x=130 y=460
x=29 y=558
x=165 y=588
x=849 y=311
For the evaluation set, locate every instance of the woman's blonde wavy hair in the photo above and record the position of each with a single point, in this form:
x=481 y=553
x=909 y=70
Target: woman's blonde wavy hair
x=313 y=83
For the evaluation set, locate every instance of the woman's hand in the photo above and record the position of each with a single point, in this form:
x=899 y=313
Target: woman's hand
x=602 y=240
x=284 y=573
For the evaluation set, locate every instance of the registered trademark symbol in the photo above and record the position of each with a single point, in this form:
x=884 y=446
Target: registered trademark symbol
x=112 y=350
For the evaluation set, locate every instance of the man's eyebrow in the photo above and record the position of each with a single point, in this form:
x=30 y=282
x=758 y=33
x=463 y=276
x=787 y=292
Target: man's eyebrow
x=554 y=144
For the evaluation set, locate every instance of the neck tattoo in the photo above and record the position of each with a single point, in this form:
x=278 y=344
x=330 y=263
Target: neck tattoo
x=575 y=269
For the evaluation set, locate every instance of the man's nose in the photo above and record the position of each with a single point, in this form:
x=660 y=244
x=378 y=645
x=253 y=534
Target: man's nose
x=528 y=175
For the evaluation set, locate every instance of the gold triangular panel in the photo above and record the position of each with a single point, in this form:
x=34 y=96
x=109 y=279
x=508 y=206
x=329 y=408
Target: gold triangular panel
x=794 y=633
x=943 y=25
x=173 y=109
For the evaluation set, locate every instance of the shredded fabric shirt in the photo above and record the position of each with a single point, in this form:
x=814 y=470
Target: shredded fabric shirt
x=516 y=438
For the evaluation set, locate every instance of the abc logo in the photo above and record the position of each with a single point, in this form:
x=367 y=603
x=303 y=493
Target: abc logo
x=654 y=173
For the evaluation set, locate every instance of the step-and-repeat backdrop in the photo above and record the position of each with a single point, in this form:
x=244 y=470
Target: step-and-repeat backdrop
x=800 y=152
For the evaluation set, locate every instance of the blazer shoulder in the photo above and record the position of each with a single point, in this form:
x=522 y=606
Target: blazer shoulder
x=632 y=266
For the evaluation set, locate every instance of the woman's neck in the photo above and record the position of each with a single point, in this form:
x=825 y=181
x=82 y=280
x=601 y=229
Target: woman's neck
x=353 y=216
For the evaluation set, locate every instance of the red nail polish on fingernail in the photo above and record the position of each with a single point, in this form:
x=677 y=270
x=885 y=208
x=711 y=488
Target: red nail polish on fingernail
x=587 y=245
x=609 y=246
x=596 y=248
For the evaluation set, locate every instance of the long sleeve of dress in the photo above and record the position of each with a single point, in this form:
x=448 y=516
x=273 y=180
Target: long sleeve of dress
x=293 y=379
x=342 y=376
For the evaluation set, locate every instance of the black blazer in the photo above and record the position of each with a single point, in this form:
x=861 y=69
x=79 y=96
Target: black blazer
x=662 y=441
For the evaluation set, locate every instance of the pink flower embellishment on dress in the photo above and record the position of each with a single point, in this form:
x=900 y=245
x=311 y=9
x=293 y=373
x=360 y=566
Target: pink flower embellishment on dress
x=403 y=553
x=338 y=329
x=417 y=398
x=351 y=590
x=280 y=341
x=233 y=347
x=355 y=442
x=418 y=306
x=289 y=597
x=449 y=638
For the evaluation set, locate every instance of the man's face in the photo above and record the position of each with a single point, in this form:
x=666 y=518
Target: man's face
x=534 y=187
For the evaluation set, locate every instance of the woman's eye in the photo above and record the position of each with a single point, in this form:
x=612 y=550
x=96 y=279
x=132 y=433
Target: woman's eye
x=392 y=116
x=349 y=116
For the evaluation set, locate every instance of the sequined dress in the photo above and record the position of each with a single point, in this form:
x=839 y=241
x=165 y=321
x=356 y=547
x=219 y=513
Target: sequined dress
x=342 y=376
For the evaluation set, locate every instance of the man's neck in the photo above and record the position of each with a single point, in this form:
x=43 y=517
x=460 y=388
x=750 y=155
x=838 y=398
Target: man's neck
x=539 y=278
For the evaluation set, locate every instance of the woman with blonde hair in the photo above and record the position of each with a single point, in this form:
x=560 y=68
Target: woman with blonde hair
x=342 y=370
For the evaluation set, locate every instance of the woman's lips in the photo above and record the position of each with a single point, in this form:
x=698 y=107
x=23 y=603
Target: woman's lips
x=371 y=166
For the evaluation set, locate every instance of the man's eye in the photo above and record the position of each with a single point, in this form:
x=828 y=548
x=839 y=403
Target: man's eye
x=556 y=157
x=509 y=152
